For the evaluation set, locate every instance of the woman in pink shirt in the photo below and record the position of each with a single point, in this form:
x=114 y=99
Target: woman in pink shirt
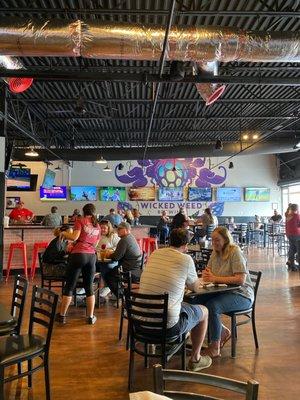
x=82 y=260
x=292 y=230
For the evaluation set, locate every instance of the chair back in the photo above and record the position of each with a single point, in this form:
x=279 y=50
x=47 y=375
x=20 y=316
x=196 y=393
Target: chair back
x=124 y=281
x=18 y=301
x=41 y=264
x=249 y=389
x=255 y=279
x=147 y=317
x=143 y=260
x=42 y=312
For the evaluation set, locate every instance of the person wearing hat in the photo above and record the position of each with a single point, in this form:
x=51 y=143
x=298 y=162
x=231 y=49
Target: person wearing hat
x=21 y=215
x=129 y=256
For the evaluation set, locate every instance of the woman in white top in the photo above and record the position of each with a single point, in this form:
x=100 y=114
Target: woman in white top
x=109 y=240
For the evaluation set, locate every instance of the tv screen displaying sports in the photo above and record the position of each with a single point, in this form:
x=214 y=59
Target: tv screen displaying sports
x=170 y=194
x=49 y=179
x=112 y=193
x=257 y=194
x=142 y=193
x=199 y=194
x=18 y=178
x=83 y=193
x=55 y=193
x=22 y=187
x=229 y=194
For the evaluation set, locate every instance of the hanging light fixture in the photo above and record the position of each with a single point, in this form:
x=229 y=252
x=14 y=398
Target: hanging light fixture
x=101 y=161
x=219 y=145
x=31 y=153
x=230 y=166
x=107 y=169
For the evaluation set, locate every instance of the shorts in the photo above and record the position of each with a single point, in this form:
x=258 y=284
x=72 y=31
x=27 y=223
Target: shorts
x=190 y=316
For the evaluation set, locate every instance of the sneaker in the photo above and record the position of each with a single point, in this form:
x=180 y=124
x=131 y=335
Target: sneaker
x=62 y=319
x=104 y=291
x=195 y=366
x=91 y=320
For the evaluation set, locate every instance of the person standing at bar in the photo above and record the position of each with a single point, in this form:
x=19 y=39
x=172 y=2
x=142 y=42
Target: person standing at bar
x=81 y=260
x=21 y=215
x=53 y=219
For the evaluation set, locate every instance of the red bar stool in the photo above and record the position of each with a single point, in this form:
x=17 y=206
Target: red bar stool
x=36 y=247
x=12 y=247
x=149 y=245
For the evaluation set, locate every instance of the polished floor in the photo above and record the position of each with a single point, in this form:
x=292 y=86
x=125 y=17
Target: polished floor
x=89 y=362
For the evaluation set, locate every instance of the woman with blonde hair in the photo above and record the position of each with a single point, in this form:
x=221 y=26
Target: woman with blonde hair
x=129 y=217
x=227 y=265
x=109 y=240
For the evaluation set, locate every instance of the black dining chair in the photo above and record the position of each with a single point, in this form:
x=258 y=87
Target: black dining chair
x=147 y=318
x=17 y=307
x=28 y=347
x=249 y=314
x=125 y=283
x=248 y=389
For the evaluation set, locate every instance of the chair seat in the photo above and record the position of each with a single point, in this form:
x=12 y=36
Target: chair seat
x=15 y=348
x=242 y=312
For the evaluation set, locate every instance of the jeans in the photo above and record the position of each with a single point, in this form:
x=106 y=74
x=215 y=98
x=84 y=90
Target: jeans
x=219 y=304
x=294 y=247
x=163 y=234
x=104 y=268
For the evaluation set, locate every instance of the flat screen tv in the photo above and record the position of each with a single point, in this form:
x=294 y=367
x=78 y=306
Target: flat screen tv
x=83 y=193
x=112 y=193
x=21 y=187
x=170 y=194
x=49 y=178
x=146 y=193
x=229 y=194
x=199 y=194
x=257 y=194
x=19 y=178
x=55 y=193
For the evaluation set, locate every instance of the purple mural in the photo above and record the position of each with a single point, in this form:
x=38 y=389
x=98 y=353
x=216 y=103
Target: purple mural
x=172 y=173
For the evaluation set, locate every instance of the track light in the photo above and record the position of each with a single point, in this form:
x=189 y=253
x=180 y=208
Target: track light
x=120 y=167
x=107 y=169
x=218 y=145
x=101 y=161
x=177 y=70
x=31 y=153
x=230 y=166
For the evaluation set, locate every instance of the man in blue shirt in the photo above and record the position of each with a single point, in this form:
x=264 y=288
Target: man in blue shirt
x=113 y=218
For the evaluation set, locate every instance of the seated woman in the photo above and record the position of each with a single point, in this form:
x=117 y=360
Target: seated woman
x=227 y=264
x=55 y=256
x=109 y=240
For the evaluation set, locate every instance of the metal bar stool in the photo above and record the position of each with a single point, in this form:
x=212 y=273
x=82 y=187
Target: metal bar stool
x=13 y=246
x=36 y=247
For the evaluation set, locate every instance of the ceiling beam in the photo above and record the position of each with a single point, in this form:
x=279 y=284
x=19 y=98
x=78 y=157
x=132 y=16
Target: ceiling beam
x=87 y=76
x=128 y=12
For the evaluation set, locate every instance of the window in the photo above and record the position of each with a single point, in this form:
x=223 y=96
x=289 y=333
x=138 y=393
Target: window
x=290 y=194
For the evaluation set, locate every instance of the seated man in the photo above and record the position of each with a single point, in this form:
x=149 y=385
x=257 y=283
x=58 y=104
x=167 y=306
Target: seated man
x=129 y=256
x=169 y=270
x=55 y=255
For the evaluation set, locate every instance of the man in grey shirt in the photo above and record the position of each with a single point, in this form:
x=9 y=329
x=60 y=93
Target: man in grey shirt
x=53 y=220
x=129 y=256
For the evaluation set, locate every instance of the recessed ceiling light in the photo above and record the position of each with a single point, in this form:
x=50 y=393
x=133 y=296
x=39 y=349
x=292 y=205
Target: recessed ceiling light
x=107 y=169
x=255 y=136
x=101 y=161
x=31 y=153
x=245 y=137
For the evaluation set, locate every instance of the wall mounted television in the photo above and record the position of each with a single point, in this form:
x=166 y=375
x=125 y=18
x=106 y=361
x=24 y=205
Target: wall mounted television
x=199 y=194
x=83 y=193
x=257 y=194
x=170 y=194
x=112 y=193
x=229 y=194
x=49 y=179
x=146 y=193
x=56 y=193
x=12 y=187
x=18 y=178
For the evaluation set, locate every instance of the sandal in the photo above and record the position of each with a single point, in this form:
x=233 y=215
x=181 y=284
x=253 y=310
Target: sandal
x=224 y=341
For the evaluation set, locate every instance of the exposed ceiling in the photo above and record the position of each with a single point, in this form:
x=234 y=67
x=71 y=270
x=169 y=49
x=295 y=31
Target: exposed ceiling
x=93 y=107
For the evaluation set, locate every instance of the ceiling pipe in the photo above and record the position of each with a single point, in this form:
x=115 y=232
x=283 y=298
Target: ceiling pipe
x=15 y=84
x=134 y=153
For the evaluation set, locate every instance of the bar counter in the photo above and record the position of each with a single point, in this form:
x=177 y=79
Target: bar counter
x=32 y=233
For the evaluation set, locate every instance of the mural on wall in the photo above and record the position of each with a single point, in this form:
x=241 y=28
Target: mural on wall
x=172 y=173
